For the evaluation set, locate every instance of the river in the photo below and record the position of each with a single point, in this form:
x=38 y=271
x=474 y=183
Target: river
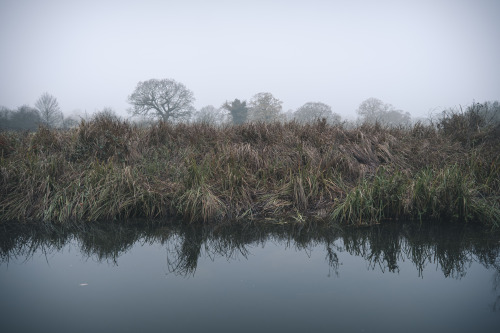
x=131 y=277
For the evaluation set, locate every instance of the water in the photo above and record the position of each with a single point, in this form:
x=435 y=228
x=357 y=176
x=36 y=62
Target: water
x=258 y=278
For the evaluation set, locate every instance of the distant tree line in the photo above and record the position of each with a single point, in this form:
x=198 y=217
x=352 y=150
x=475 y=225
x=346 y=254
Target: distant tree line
x=23 y=118
x=170 y=101
x=26 y=118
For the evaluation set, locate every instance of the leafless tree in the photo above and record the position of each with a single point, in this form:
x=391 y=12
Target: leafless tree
x=265 y=107
x=50 y=113
x=374 y=110
x=211 y=115
x=313 y=111
x=164 y=99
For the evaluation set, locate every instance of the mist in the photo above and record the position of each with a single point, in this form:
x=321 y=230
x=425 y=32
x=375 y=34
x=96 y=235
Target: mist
x=419 y=56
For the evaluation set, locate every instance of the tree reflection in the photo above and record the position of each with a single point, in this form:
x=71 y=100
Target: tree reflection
x=452 y=249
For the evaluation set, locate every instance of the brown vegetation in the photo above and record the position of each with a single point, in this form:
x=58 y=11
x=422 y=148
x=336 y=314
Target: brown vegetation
x=108 y=168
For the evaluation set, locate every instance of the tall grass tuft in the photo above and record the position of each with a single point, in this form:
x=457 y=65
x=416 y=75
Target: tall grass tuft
x=373 y=200
x=453 y=195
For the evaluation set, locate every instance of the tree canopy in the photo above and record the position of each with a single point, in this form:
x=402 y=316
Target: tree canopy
x=374 y=110
x=24 y=118
x=265 y=107
x=312 y=111
x=211 y=115
x=164 y=99
x=238 y=110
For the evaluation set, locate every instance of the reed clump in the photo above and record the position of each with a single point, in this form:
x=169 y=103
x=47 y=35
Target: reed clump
x=107 y=168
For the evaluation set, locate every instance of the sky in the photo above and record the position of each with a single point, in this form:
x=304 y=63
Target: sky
x=420 y=56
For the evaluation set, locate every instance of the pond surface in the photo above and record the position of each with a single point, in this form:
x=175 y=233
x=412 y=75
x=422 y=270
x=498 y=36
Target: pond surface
x=257 y=278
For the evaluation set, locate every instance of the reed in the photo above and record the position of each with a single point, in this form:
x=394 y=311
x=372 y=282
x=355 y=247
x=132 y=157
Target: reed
x=107 y=168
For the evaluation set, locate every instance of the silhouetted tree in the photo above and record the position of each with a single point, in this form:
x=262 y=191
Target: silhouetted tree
x=164 y=99
x=50 y=113
x=238 y=110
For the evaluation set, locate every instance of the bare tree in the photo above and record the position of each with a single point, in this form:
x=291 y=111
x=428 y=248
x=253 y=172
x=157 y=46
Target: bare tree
x=50 y=113
x=312 y=111
x=211 y=115
x=265 y=107
x=374 y=110
x=164 y=99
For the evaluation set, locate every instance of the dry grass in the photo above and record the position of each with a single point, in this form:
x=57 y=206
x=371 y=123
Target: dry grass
x=110 y=169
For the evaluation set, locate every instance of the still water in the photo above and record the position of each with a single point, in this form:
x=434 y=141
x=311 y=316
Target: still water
x=256 y=278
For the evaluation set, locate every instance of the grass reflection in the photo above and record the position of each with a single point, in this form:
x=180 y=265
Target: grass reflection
x=451 y=248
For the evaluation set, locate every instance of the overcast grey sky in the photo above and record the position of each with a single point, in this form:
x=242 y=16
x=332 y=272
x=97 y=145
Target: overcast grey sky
x=417 y=55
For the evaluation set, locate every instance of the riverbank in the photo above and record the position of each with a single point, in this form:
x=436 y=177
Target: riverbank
x=110 y=169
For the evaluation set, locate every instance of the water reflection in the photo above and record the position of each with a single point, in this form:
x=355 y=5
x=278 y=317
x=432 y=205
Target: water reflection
x=238 y=278
x=452 y=249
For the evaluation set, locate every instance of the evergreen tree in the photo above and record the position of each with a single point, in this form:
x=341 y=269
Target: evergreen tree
x=238 y=109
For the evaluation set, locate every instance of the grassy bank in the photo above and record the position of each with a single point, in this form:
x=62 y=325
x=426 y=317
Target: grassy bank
x=111 y=169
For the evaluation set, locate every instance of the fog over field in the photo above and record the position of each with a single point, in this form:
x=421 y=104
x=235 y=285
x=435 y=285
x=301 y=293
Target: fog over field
x=419 y=56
